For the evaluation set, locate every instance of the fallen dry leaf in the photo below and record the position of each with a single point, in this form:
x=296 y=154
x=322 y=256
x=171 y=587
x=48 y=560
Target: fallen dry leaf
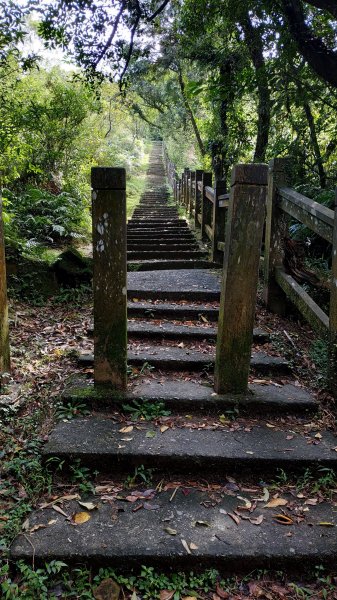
x=221 y=593
x=170 y=531
x=283 y=519
x=166 y=594
x=108 y=589
x=256 y=520
x=185 y=544
x=164 y=428
x=194 y=546
x=81 y=517
x=88 y=505
x=235 y=518
x=274 y=502
x=127 y=429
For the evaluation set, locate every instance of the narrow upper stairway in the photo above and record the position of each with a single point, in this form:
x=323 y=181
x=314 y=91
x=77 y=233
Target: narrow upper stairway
x=157 y=237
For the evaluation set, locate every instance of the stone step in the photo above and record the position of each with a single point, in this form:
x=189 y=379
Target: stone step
x=98 y=442
x=179 y=395
x=170 y=331
x=166 y=237
x=170 y=284
x=170 y=358
x=176 y=312
x=160 y=226
x=146 y=246
x=158 y=231
x=116 y=535
x=164 y=265
x=165 y=254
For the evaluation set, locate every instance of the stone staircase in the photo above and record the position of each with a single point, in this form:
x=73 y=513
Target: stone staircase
x=208 y=502
x=157 y=237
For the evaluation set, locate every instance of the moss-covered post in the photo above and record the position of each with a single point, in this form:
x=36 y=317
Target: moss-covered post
x=333 y=312
x=186 y=176
x=4 y=329
x=219 y=221
x=276 y=229
x=244 y=230
x=206 y=206
x=197 y=197
x=109 y=276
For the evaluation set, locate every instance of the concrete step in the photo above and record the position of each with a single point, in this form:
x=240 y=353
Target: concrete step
x=169 y=331
x=108 y=537
x=146 y=246
x=179 y=395
x=166 y=237
x=165 y=254
x=170 y=358
x=170 y=284
x=176 y=312
x=99 y=443
x=164 y=265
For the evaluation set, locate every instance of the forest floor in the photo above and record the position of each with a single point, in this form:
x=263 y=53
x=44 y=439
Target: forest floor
x=45 y=340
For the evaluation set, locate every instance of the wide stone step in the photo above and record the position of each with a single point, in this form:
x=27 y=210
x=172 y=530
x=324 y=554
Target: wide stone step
x=170 y=331
x=165 y=254
x=172 y=535
x=158 y=231
x=164 y=265
x=160 y=225
x=98 y=442
x=166 y=237
x=170 y=284
x=177 y=312
x=166 y=247
x=182 y=395
x=170 y=358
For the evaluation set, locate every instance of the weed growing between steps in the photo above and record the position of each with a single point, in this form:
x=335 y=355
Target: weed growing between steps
x=56 y=580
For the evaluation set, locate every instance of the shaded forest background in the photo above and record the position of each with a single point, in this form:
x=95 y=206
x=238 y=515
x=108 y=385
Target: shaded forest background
x=219 y=81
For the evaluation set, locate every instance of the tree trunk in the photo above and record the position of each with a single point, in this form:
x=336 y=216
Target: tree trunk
x=322 y=59
x=190 y=113
x=255 y=47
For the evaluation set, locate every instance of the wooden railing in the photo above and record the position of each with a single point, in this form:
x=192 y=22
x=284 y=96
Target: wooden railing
x=209 y=206
x=205 y=204
x=283 y=203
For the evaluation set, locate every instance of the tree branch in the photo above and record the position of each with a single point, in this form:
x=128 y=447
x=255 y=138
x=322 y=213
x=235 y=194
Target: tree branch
x=321 y=59
x=128 y=58
x=158 y=11
x=112 y=35
x=328 y=5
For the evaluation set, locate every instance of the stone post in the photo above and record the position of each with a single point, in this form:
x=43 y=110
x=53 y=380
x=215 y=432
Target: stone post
x=276 y=229
x=197 y=197
x=219 y=221
x=206 y=206
x=244 y=230
x=109 y=276
x=4 y=329
x=191 y=194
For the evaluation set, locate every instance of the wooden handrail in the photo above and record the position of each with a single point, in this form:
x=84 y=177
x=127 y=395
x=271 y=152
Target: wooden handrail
x=209 y=192
x=316 y=216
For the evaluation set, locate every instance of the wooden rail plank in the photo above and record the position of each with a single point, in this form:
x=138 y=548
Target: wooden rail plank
x=209 y=232
x=317 y=217
x=209 y=193
x=305 y=304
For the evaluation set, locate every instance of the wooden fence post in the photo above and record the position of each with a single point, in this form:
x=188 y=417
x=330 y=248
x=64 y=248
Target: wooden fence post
x=276 y=229
x=109 y=277
x=244 y=230
x=333 y=312
x=219 y=221
x=206 y=206
x=4 y=329
x=197 y=197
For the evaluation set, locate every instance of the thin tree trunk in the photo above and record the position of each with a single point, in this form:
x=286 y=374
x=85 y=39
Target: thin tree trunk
x=190 y=113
